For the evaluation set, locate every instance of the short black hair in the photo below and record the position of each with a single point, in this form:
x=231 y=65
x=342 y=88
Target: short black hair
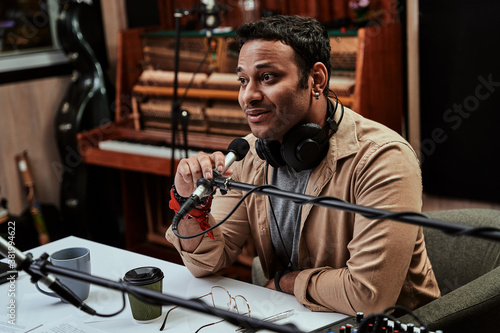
x=305 y=35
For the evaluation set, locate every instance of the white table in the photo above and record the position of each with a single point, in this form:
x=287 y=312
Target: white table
x=36 y=312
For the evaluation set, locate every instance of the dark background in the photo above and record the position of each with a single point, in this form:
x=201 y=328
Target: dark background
x=459 y=42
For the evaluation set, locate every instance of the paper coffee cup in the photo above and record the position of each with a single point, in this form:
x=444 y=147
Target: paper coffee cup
x=149 y=278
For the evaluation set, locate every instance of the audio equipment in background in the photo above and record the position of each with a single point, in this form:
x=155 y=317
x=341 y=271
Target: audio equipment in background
x=355 y=324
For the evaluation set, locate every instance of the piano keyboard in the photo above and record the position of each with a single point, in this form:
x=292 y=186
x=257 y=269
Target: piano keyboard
x=155 y=149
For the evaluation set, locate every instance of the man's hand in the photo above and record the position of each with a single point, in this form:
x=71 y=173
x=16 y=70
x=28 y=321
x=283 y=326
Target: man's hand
x=189 y=171
x=287 y=282
x=196 y=167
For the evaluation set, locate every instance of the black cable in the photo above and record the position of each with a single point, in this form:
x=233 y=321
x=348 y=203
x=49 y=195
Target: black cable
x=290 y=264
x=256 y=188
x=105 y=315
x=337 y=124
x=194 y=74
x=185 y=117
x=473 y=231
x=336 y=106
x=391 y=215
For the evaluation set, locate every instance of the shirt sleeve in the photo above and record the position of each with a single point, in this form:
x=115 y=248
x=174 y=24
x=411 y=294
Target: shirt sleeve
x=380 y=251
x=211 y=255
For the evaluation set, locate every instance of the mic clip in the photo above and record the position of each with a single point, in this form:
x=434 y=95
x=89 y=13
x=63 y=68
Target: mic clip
x=41 y=262
x=224 y=185
x=26 y=265
x=212 y=183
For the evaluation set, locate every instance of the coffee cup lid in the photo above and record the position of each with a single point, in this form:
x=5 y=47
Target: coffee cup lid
x=143 y=275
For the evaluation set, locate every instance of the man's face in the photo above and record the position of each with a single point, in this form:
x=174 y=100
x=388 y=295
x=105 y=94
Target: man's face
x=269 y=94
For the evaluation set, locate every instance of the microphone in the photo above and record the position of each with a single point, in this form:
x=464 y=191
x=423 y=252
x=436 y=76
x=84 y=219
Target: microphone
x=237 y=149
x=24 y=262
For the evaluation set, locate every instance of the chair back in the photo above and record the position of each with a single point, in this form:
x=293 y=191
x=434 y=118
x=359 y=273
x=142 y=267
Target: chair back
x=458 y=260
x=468 y=273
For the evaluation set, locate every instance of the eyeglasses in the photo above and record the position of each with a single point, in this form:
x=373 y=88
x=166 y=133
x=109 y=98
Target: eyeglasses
x=221 y=298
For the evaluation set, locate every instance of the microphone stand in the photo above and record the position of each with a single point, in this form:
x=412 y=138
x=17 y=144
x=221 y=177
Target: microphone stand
x=41 y=267
x=225 y=184
x=176 y=114
x=179 y=115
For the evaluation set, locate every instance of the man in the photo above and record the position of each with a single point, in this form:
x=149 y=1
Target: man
x=330 y=260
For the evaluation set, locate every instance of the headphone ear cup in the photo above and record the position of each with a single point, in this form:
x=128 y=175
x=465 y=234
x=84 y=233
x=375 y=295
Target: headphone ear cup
x=304 y=146
x=270 y=151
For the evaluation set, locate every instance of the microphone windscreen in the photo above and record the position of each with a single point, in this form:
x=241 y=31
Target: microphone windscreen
x=239 y=147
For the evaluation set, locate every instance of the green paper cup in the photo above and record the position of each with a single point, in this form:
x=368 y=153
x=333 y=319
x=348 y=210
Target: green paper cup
x=149 y=278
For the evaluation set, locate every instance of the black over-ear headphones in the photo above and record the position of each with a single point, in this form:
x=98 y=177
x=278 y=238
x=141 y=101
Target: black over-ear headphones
x=303 y=147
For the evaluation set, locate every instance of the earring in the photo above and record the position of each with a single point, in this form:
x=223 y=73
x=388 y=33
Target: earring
x=316 y=95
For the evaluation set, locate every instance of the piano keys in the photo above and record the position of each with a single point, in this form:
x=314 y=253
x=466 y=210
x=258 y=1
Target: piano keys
x=145 y=148
x=150 y=160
